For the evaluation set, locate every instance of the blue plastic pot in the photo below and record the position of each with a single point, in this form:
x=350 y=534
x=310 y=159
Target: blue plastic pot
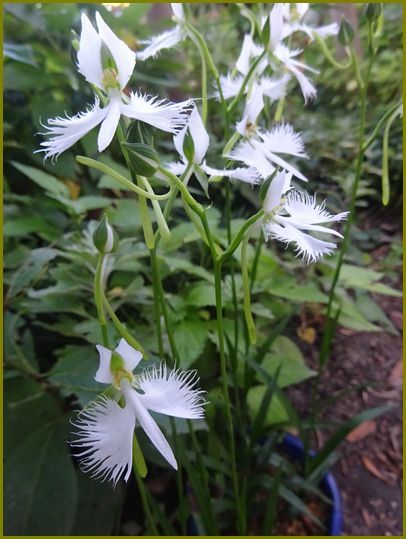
x=293 y=446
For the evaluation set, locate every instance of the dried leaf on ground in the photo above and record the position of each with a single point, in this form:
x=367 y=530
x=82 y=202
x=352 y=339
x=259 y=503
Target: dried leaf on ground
x=361 y=431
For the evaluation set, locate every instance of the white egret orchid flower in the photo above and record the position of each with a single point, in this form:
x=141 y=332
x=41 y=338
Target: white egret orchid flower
x=290 y=212
x=197 y=131
x=263 y=151
x=105 y=435
x=167 y=39
x=293 y=15
x=108 y=63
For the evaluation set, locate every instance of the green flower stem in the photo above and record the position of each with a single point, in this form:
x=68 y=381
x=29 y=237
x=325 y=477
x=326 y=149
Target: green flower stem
x=247 y=289
x=160 y=219
x=356 y=67
x=194 y=205
x=147 y=509
x=204 y=76
x=230 y=144
x=385 y=160
x=329 y=56
x=146 y=224
x=240 y=235
x=92 y=163
x=98 y=298
x=395 y=111
x=122 y=330
x=245 y=82
x=279 y=109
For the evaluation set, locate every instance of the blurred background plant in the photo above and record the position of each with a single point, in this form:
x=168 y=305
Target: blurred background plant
x=51 y=210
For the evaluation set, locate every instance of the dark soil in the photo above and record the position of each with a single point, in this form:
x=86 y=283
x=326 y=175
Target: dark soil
x=369 y=470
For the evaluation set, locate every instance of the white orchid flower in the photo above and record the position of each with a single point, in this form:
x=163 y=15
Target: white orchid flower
x=290 y=212
x=105 y=436
x=167 y=39
x=287 y=58
x=108 y=63
x=197 y=131
x=263 y=151
x=293 y=15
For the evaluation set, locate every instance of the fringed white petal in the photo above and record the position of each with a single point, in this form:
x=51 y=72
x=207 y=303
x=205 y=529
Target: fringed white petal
x=230 y=85
x=162 y=114
x=283 y=139
x=244 y=174
x=109 y=124
x=105 y=440
x=148 y=424
x=249 y=50
x=104 y=374
x=123 y=56
x=278 y=186
x=89 y=58
x=130 y=355
x=275 y=88
x=310 y=248
x=304 y=208
x=171 y=392
x=252 y=157
x=308 y=89
x=64 y=132
x=155 y=44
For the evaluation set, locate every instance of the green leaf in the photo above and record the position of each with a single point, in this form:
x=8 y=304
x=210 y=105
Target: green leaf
x=74 y=373
x=40 y=484
x=286 y=355
x=25 y=225
x=190 y=337
x=31 y=269
x=19 y=53
x=366 y=279
x=43 y=179
x=276 y=412
x=180 y=264
x=201 y=294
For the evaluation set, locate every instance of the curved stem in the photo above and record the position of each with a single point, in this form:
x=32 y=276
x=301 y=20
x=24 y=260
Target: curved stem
x=395 y=110
x=92 y=163
x=239 y=236
x=122 y=330
x=385 y=161
x=247 y=290
x=328 y=54
x=98 y=298
x=160 y=219
x=246 y=81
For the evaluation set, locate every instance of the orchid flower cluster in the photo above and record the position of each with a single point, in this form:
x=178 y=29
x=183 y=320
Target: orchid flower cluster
x=259 y=157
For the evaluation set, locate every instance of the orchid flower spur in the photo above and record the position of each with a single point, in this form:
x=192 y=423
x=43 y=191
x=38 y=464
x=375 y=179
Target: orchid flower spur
x=290 y=212
x=167 y=39
x=262 y=151
x=196 y=130
x=108 y=63
x=105 y=436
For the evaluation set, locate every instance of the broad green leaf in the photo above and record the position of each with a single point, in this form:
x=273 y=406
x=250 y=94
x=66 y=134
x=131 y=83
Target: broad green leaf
x=351 y=317
x=286 y=355
x=276 y=412
x=367 y=279
x=74 y=373
x=190 y=337
x=40 y=489
x=373 y=312
x=19 y=52
x=201 y=294
x=181 y=264
x=287 y=287
x=43 y=179
x=31 y=269
x=25 y=225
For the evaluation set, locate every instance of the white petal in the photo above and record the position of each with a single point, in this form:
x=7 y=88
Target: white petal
x=311 y=249
x=252 y=157
x=283 y=139
x=176 y=168
x=304 y=208
x=276 y=24
x=178 y=11
x=155 y=44
x=105 y=439
x=171 y=392
x=104 y=374
x=253 y=108
x=199 y=135
x=278 y=186
x=284 y=164
x=308 y=89
x=109 y=125
x=302 y=8
x=130 y=355
x=123 y=56
x=275 y=88
x=64 y=132
x=148 y=424
x=89 y=57
x=244 y=174
x=230 y=86
x=160 y=113
x=327 y=30
x=249 y=50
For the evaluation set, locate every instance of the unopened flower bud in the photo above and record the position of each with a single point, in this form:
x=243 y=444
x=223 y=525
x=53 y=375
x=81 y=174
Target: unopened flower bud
x=75 y=40
x=346 y=33
x=144 y=159
x=189 y=147
x=105 y=238
x=372 y=12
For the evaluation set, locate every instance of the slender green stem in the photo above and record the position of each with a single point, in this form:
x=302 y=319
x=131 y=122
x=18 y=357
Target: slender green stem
x=395 y=111
x=197 y=42
x=245 y=82
x=240 y=235
x=328 y=54
x=385 y=161
x=247 y=290
x=160 y=219
x=147 y=510
x=122 y=330
x=98 y=298
x=92 y=163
